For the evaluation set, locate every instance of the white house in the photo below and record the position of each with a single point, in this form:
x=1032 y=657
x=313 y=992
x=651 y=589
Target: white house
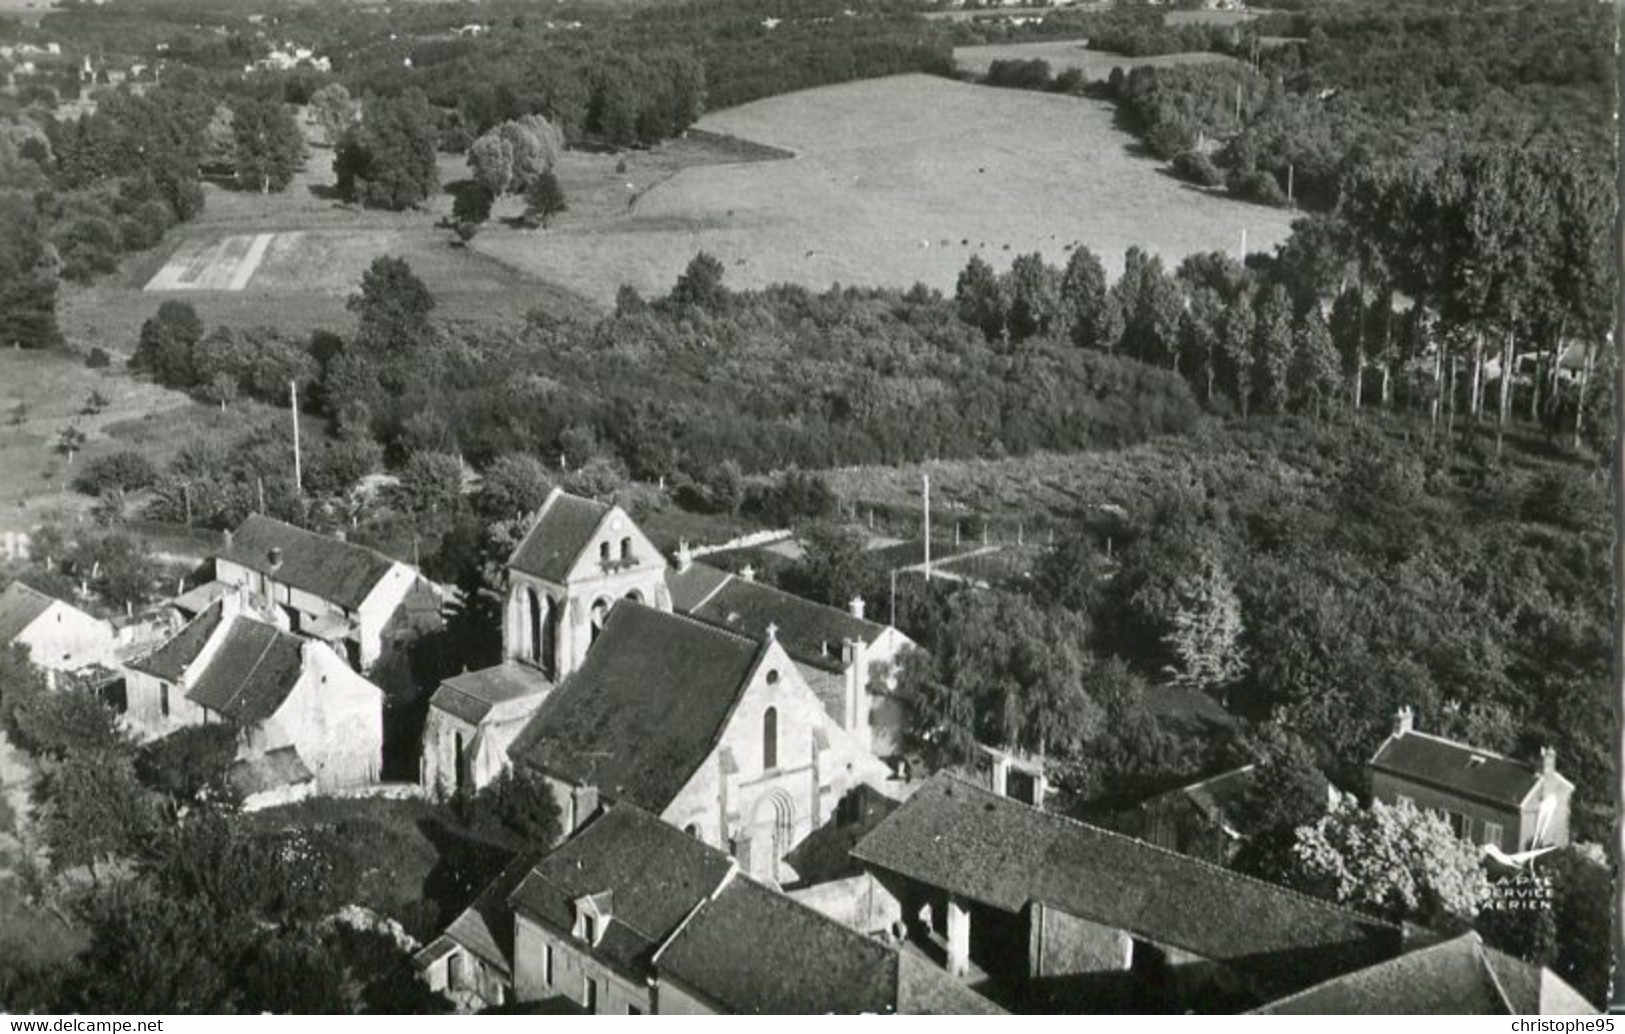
x=357 y=600
x=58 y=635
x=280 y=690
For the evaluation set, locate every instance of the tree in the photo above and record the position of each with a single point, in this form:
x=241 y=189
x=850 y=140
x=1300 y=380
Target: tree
x=431 y=483
x=834 y=567
x=1236 y=332
x=123 y=471
x=28 y=284
x=94 y=808
x=1314 y=374
x=471 y=206
x=1091 y=308
x=191 y=766
x=545 y=198
x=490 y=159
x=268 y=147
x=69 y=440
x=1073 y=574
x=166 y=343
x=979 y=298
x=515 y=484
x=392 y=308
x=700 y=285
x=1204 y=629
x=1034 y=291
x=334 y=110
x=1273 y=347
x=62 y=723
x=388 y=161
x=1397 y=862
x=521 y=804
x=1151 y=302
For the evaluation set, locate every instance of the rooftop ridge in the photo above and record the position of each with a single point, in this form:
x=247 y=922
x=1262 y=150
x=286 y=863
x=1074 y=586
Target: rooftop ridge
x=1429 y=949
x=730 y=577
x=1229 y=874
x=308 y=533
x=1436 y=738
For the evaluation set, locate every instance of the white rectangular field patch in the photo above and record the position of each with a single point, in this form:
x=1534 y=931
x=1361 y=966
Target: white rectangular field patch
x=226 y=264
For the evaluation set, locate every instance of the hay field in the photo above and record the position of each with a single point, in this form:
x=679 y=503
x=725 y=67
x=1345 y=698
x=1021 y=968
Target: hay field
x=894 y=181
x=1071 y=53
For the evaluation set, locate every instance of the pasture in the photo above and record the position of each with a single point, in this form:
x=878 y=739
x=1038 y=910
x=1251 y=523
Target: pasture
x=893 y=181
x=1071 y=53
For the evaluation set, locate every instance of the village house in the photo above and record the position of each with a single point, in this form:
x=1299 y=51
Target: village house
x=1506 y=805
x=302 y=714
x=1461 y=976
x=631 y=917
x=578 y=559
x=59 y=636
x=365 y=605
x=1064 y=916
x=1199 y=819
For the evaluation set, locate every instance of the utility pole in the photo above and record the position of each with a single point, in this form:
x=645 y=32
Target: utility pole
x=1242 y=257
x=293 y=404
x=925 y=480
x=1290 y=172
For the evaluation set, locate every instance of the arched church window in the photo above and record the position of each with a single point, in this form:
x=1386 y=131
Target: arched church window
x=770 y=738
x=603 y=552
x=626 y=548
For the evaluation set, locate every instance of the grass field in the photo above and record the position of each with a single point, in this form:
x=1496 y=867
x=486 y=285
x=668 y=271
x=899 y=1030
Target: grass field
x=1071 y=53
x=894 y=181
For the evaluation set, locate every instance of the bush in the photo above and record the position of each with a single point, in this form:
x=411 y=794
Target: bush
x=1257 y=186
x=1196 y=167
x=99 y=359
x=125 y=471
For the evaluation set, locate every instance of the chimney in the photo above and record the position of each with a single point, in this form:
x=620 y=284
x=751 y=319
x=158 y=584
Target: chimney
x=748 y=573
x=273 y=556
x=1402 y=720
x=1548 y=761
x=685 y=556
x=857 y=606
x=228 y=537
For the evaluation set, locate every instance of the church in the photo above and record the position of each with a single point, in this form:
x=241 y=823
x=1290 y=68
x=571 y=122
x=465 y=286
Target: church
x=626 y=680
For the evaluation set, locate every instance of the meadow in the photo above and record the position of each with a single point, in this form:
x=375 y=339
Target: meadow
x=893 y=181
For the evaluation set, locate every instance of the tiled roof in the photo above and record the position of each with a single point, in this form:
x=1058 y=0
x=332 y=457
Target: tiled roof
x=754 y=950
x=655 y=873
x=485 y=928
x=176 y=654
x=340 y=572
x=251 y=673
x=644 y=710
x=562 y=530
x=19 y=606
x=1456 y=767
x=472 y=695
x=1459 y=976
x=811 y=632
x=954 y=835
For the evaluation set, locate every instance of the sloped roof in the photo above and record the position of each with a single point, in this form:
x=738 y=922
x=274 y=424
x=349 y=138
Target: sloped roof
x=340 y=572
x=1457 y=768
x=655 y=873
x=20 y=606
x=644 y=710
x=1459 y=976
x=811 y=632
x=175 y=655
x=754 y=950
x=251 y=673
x=958 y=836
x=561 y=532
x=485 y=927
x=473 y=695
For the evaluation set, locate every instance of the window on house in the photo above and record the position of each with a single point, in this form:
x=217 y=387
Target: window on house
x=547 y=964
x=770 y=738
x=1492 y=833
x=589 y=995
x=603 y=552
x=1458 y=823
x=589 y=928
x=454 y=972
x=1400 y=798
x=626 y=548
x=163 y=699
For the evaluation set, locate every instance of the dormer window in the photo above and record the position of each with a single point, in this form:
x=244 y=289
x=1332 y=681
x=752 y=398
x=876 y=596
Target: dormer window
x=593 y=913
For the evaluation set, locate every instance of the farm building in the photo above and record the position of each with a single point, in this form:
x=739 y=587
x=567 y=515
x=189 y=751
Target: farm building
x=58 y=635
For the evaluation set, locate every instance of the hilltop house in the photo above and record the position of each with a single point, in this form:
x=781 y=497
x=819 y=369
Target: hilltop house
x=577 y=560
x=303 y=715
x=1198 y=819
x=360 y=602
x=1499 y=802
x=59 y=636
x=1064 y=916
x=632 y=917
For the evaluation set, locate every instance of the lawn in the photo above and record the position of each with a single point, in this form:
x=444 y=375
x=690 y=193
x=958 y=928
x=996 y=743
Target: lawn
x=895 y=181
x=1071 y=53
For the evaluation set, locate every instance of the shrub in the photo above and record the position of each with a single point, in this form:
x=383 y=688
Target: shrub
x=1198 y=168
x=98 y=359
x=1257 y=186
x=124 y=471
